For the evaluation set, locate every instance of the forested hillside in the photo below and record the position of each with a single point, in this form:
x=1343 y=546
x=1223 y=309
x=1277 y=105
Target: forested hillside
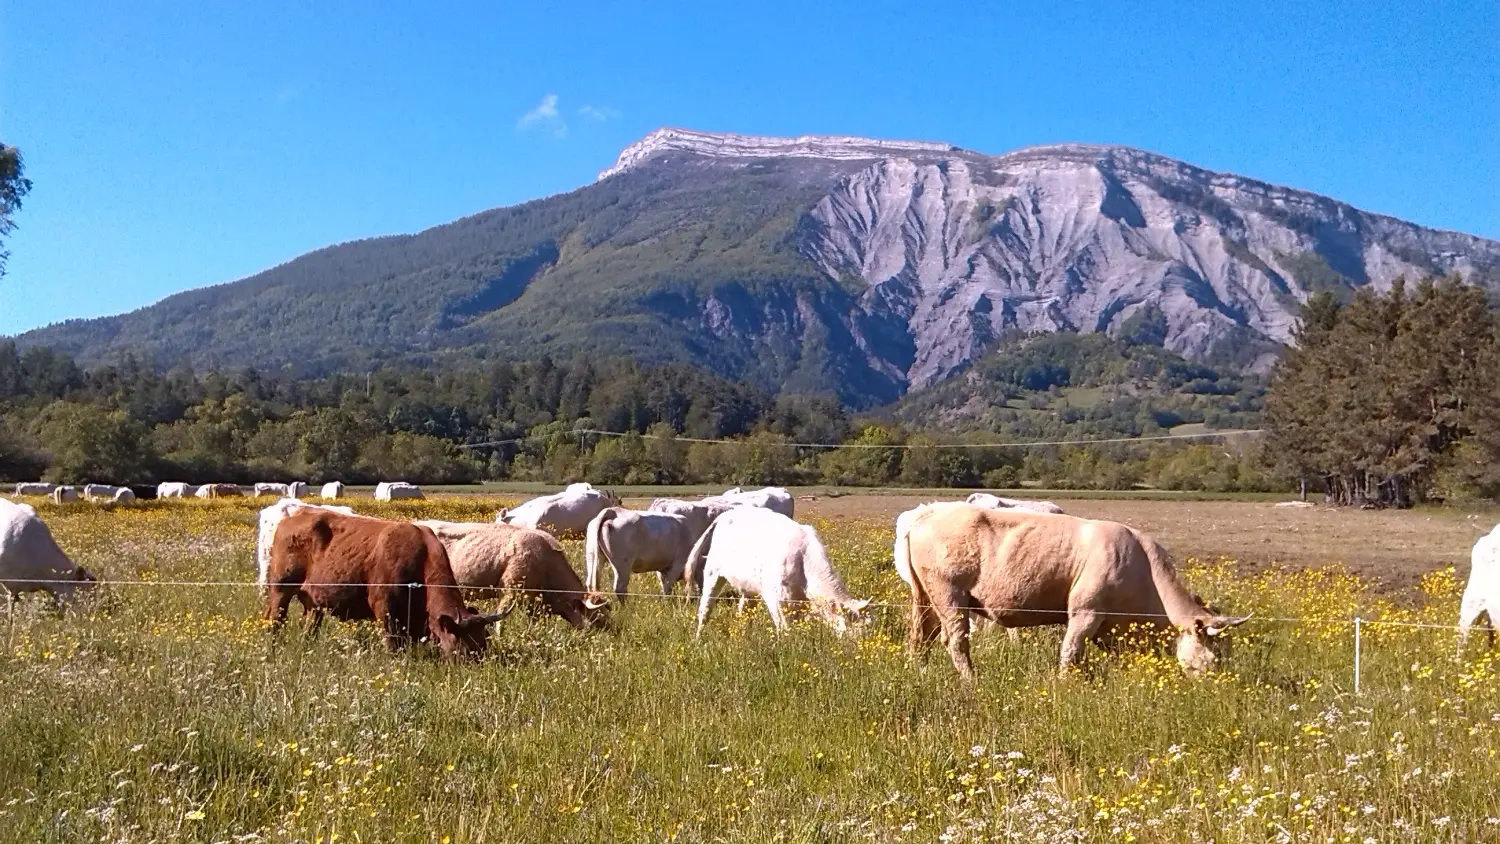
x=867 y=269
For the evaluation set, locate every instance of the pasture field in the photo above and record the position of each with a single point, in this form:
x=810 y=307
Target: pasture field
x=165 y=712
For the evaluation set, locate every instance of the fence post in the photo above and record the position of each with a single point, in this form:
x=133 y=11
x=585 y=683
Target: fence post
x=1356 y=654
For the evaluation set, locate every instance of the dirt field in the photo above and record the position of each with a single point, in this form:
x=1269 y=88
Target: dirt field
x=1392 y=548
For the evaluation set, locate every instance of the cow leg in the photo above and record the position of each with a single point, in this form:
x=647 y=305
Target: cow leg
x=312 y=614
x=667 y=581
x=710 y=582
x=773 y=608
x=1013 y=635
x=744 y=603
x=954 y=619
x=1082 y=626
x=622 y=578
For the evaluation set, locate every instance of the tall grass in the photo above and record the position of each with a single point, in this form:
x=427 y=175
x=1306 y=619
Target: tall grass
x=167 y=714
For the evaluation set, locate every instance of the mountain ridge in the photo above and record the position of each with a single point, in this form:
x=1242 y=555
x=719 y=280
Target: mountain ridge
x=871 y=268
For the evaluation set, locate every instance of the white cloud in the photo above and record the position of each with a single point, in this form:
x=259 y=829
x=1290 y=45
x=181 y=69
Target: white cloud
x=598 y=113
x=544 y=116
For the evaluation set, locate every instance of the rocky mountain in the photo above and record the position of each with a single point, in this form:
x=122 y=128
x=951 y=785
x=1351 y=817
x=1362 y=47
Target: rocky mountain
x=867 y=267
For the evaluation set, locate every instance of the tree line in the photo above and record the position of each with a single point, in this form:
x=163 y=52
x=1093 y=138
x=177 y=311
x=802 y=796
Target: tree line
x=131 y=423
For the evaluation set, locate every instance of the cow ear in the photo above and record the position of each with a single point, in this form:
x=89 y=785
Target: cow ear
x=449 y=625
x=858 y=606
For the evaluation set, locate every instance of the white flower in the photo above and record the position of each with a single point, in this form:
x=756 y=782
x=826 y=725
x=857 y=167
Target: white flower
x=977 y=750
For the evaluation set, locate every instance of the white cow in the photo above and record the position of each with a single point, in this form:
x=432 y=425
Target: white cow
x=569 y=511
x=771 y=498
x=278 y=490
x=761 y=552
x=64 y=495
x=124 y=495
x=296 y=489
x=1482 y=594
x=699 y=514
x=331 y=491
x=100 y=492
x=35 y=488
x=30 y=560
x=175 y=489
x=631 y=541
x=397 y=491
x=995 y=502
x=270 y=518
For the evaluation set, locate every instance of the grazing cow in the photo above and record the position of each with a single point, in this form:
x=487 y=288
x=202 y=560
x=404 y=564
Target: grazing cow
x=1024 y=569
x=175 y=489
x=95 y=493
x=64 y=495
x=218 y=491
x=31 y=561
x=123 y=495
x=296 y=489
x=359 y=568
x=569 y=511
x=699 y=514
x=397 y=491
x=331 y=491
x=995 y=502
x=1482 y=594
x=265 y=535
x=631 y=541
x=771 y=498
x=278 y=490
x=34 y=489
x=522 y=561
x=761 y=552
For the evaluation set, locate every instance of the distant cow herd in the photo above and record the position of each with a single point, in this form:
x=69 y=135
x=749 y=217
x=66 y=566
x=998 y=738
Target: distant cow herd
x=1005 y=562
x=97 y=493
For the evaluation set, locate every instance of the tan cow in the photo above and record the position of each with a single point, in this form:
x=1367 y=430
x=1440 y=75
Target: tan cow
x=522 y=561
x=1024 y=569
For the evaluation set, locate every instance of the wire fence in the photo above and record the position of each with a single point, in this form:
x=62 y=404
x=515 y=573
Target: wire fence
x=1357 y=623
x=895 y=446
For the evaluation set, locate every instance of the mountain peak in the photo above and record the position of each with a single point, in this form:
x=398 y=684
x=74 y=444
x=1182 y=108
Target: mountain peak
x=729 y=145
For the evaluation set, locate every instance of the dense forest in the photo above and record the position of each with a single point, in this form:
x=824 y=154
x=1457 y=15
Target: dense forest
x=130 y=422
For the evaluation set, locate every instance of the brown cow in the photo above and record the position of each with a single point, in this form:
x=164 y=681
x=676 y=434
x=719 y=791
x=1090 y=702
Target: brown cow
x=361 y=568
x=520 y=560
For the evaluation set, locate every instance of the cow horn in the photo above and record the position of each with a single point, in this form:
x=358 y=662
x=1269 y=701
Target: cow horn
x=595 y=602
x=493 y=617
x=1218 y=625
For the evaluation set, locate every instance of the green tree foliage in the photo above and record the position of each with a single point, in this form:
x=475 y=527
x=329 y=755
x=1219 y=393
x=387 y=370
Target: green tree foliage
x=13 y=188
x=1386 y=394
x=532 y=420
x=90 y=444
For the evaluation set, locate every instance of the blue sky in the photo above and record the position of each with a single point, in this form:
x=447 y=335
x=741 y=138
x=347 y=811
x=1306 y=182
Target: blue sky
x=176 y=145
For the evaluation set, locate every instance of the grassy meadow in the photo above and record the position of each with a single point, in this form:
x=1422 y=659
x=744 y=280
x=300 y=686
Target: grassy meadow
x=166 y=713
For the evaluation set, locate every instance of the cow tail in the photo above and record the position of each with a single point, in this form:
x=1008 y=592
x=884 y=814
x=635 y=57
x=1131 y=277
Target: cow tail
x=924 y=621
x=692 y=574
x=594 y=543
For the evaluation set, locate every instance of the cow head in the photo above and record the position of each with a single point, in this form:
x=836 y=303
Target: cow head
x=1201 y=646
x=596 y=609
x=849 y=616
x=468 y=635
